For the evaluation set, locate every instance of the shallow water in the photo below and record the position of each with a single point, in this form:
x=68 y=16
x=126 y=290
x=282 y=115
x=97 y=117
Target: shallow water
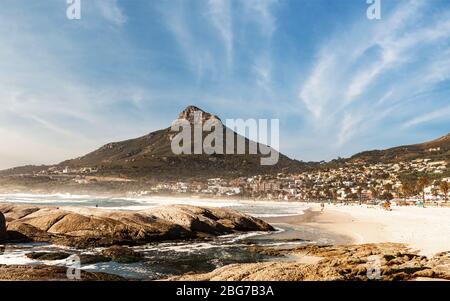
x=161 y=259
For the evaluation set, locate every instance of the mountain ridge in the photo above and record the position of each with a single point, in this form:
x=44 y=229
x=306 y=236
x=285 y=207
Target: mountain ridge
x=433 y=149
x=151 y=155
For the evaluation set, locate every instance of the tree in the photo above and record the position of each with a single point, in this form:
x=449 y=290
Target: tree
x=444 y=186
x=347 y=191
x=332 y=194
x=388 y=187
x=375 y=192
x=353 y=196
x=435 y=192
x=359 y=192
x=407 y=189
x=422 y=183
x=386 y=196
x=387 y=193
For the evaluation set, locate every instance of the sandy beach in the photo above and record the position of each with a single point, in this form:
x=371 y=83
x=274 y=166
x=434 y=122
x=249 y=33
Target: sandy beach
x=423 y=229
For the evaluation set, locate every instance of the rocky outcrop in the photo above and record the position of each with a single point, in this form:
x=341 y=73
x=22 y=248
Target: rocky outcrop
x=267 y=271
x=217 y=221
x=85 y=227
x=48 y=273
x=93 y=258
x=346 y=262
x=48 y=255
x=189 y=114
x=2 y=227
x=122 y=254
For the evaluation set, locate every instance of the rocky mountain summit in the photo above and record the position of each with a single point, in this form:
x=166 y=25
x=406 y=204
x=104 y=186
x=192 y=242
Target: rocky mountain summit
x=190 y=112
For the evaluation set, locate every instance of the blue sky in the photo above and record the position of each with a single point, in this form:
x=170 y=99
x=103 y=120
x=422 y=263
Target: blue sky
x=338 y=82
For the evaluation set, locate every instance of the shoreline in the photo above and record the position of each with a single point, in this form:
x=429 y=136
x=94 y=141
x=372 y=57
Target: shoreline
x=310 y=227
x=311 y=244
x=333 y=222
x=424 y=229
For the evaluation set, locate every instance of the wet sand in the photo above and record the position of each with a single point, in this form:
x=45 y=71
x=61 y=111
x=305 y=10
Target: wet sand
x=311 y=226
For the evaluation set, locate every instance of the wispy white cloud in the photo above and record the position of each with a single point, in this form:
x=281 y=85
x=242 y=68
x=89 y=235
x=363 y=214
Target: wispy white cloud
x=111 y=11
x=261 y=13
x=349 y=126
x=49 y=109
x=318 y=89
x=348 y=82
x=211 y=54
x=263 y=71
x=433 y=116
x=198 y=57
x=385 y=97
x=220 y=16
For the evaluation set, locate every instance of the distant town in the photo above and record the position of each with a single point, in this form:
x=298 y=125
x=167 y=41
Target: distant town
x=409 y=181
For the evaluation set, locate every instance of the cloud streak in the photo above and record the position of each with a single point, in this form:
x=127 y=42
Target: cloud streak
x=220 y=16
x=351 y=80
x=433 y=116
x=111 y=11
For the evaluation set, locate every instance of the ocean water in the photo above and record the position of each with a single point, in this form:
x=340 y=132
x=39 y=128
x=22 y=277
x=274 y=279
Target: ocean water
x=166 y=259
x=254 y=208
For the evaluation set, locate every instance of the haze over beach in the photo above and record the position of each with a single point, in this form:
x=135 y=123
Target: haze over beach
x=225 y=140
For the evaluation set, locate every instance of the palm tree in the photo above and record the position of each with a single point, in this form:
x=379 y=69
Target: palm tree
x=435 y=192
x=347 y=191
x=444 y=186
x=407 y=189
x=332 y=194
x=422 y=183
x=388 y=187
x=359 y=192
x=375 y=192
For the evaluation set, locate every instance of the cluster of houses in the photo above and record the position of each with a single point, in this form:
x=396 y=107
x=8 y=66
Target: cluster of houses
x=348 y=181
x=215 y=187
x=57 y=170
x=353 y=181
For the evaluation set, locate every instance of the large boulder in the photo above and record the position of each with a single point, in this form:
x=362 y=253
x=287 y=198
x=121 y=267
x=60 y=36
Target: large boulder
x=2 y=227
x=89 y=227
x=122 y=254
x=216 y=221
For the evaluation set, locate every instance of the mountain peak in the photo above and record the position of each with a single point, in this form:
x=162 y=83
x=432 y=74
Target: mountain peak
x=190 y=111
